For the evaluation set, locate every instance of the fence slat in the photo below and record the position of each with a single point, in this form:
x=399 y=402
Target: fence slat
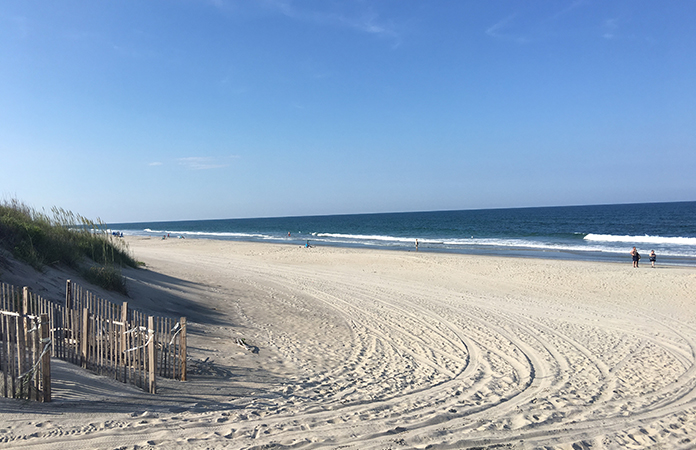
x=45 y=359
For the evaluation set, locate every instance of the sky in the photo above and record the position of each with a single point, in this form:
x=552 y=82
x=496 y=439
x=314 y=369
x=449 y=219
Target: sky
x=134 y=111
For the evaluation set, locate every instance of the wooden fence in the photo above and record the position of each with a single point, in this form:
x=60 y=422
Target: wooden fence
x=123 y=343
x=25 y=349
x=104 y=337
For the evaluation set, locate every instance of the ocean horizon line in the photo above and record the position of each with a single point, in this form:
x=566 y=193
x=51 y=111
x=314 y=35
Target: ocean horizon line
x=503 y=208
x=574 y=232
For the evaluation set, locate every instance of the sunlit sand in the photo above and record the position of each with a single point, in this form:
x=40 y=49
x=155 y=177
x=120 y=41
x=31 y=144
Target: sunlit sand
x=367 y=349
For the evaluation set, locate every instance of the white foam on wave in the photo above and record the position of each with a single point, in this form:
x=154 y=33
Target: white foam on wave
x=599 y=246
x=642 y=239
x=362 y=237
x=209 y=233
x=523 y=244
x=457 y=243
x=666 y=246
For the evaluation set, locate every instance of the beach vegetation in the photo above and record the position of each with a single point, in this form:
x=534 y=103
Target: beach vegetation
x=62 y=237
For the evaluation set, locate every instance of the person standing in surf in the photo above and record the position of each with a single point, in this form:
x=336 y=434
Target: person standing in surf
x=636 y=257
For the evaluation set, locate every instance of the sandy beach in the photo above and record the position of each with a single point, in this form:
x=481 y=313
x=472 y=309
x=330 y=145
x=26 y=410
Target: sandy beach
x=368 y=349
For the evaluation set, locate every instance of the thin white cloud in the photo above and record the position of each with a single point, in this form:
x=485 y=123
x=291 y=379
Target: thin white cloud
x=620 y=28
x=515 y=29
x=371 y=23
x=610 y=27
x=568 y=9
x=494 y=29
x=500 y=30
x=204 y=162
x=366 y=22
x=155 y=163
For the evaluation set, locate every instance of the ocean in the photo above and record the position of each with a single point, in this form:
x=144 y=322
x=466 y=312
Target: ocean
x=598 y=233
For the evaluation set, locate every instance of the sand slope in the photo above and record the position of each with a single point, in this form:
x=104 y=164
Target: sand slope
x=377 y=350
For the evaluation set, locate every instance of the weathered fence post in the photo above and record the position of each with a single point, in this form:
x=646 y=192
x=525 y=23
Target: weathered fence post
x=84 y=338
x=182 y=348
x=25 y=300
x=4 y=353
x=68 y=294
x=75 y=335
x=69 y=325
x=21 y=327
x=124 y=348
x=13 y=351
x=32 y=379
x=27 y=350
x=151 y=351
x=45 y=359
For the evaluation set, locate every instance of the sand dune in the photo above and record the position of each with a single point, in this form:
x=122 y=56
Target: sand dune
x=369 y=349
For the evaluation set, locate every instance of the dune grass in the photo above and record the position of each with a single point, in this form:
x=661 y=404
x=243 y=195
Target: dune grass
x=64 y=238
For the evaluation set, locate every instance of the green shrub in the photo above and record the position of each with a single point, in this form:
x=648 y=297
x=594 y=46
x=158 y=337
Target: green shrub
x=62 y=238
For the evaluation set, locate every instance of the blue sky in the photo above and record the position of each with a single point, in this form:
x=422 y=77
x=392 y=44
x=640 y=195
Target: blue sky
x=184 y=109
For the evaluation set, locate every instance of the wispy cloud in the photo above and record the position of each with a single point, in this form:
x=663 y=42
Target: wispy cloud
x=568 y=9
x=501 y=30
x=610 y=27
x=622 y=28
x=364 y=21
x=197 y=162
x=371 y=23
x=530 y=26
x=204 y=162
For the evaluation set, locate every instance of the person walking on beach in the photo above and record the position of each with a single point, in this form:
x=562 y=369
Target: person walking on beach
x=653 y=258
x=416 y=244
x=636 y=257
